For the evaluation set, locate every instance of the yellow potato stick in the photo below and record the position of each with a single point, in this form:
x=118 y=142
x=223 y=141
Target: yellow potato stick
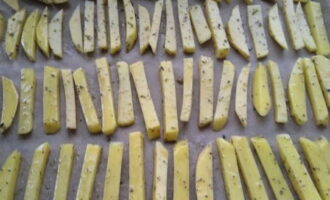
x=159 y=191
x=181 y=171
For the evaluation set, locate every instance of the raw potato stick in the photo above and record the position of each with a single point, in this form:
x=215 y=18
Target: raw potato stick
x=204 y=174
x=55 y=34
x=147 y=106
x=318 y=166
x=170 y=113
x=109 y=123
x=256 y=26
x=13 y=4
x=36 y=173
x=260 y=91
x=144 y=28
x=86 y=102
x=199 y=23
x=230 y=171
x=206 y=76
x=322 y=69
x=292 y=24
x=27 y=101
x=188 y=82
x=125 y=103
x=113 y=172
x=275 y=27
x=9 y=173
x=224 y=97
x=42 y=32
x=273 y=171
x=170 y=34
x=136 y=167
x=28 y=39
x=155 y=26
x=51 y=100
x=159 y=191
x=249 y=168
x=88 y=172
x=70 y=99
x=316 y=23
x=241 y=95
x=102 y=42
x=297 y=93
x=281 y=115
x=218 y=31
x=187 y=37
x=64 y=170
x=89 y=39
x=320 y=110
x=236 y=34
x=13 y=34
x=131 y=29
x=296 y=169
x=324 y=146
x=2 y=26
x=181 y=170
x=305 y=30
x=115 y=43
x=75 y=28
x=9 y=104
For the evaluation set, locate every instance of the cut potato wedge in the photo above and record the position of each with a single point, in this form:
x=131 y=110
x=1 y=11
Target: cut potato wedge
x=131 y=29
x=36 y=173
x=188 y=82
x=86 y=102
x=323 y=73
x=249 y=168
x=64 y=170
x=147 y=106
x=319 y=31
x=305 y=30
x=102 y=42
x=230 y=171
x=70 y=99
x=89 y=38
x=297 y=93
x=113 y=172
x=9 y=173
x=136 y=167
x=280 y=108
x=42 y=32
x=218 y=31
x=199 y=23
x=320 y=110
x=241 y=95
x=76 y=30
x=273 y=171
x=109 y=122
x=204 y=174
x=275 y=27
x=144 y=28
x=256 y=26
x=187 y=37
x=28 y=39
x=13 y=4
x=170 y=34
x=27 y=101
x=159 y=191
x=155 y=26
x=181 y=171
x=14 y=31
x=236 y=34
x=2 y=26
x=170 y=113
x=115 y=43
x=125 y=103
x=51 y=100
x=89 y=170
x=224 y=97
x=260 y=91
x=206 y=79
x=324 y=146
x=55 y=34
x=296 y=169
x=9 y=103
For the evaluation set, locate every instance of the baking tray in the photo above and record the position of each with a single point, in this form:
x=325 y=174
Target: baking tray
x=197 y=138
